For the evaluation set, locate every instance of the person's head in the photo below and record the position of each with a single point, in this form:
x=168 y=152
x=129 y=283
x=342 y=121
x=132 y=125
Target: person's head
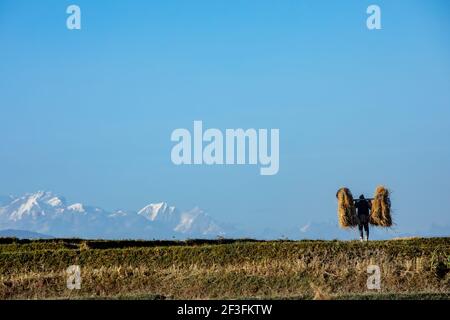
x=361 y=197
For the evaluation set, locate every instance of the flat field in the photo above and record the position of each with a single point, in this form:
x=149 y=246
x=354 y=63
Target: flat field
x=225 y=269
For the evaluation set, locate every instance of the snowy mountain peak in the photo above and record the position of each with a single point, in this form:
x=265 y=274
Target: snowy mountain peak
x=158 y=211
x=77 y=207
x=33 y=204
x=55 y=202
x=198 y=221
x=29 y=206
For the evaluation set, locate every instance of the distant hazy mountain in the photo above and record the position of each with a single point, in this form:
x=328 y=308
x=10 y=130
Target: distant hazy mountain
x=330 y=230
x=22 y=234
x=47 y=213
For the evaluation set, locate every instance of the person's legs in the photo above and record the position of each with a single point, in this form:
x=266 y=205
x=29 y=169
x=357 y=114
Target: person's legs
x=366 y=228
x=361 y=234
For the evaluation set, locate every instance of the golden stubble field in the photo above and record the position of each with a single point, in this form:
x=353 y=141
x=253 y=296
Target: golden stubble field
x=225 y=269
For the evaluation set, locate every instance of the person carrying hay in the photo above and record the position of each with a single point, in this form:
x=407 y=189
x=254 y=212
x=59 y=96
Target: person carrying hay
x=363 y=208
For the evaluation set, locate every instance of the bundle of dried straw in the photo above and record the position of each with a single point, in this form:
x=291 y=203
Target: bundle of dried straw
x=346 y=209
x=381 y=208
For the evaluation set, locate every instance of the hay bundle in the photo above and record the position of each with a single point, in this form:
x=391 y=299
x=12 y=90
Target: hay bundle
x=346 y=209
x=381 y=208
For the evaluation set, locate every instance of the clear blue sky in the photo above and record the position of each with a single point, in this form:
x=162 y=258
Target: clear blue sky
x=88 y=114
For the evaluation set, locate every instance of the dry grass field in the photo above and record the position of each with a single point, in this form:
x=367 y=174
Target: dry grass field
x=225 y=269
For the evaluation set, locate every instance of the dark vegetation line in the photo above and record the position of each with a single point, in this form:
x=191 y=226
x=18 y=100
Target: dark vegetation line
x=119 y=244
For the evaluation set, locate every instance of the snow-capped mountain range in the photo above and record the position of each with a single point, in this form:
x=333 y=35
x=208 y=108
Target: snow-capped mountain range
x=47 y=213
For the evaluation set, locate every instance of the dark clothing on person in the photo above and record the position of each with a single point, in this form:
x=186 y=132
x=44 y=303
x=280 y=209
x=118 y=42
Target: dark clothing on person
x=363 y=207
x=363 y=210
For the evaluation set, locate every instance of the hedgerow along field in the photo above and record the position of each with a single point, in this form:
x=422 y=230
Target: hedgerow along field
x=224 y=269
